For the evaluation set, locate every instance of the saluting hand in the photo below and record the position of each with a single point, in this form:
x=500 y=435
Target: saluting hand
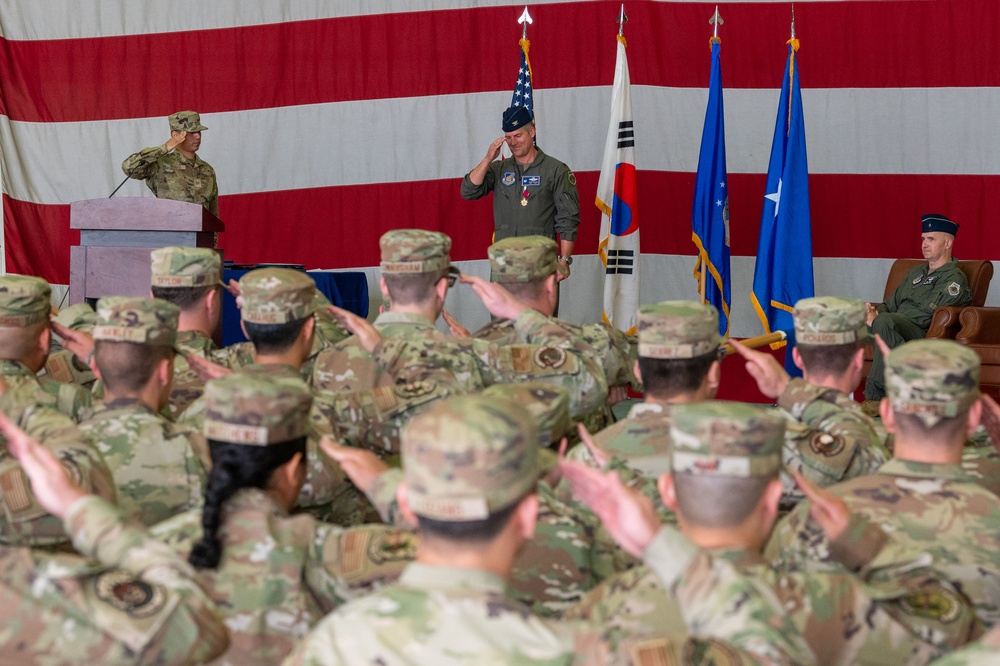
x=176 y=139
x=494 y=150
x=770 y=376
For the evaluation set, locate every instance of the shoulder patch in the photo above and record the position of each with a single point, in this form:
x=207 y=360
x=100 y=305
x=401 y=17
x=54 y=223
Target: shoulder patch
x=372 y=553
x=571 y=178
x=16 y=494
x=550 y=357
x=128 y=594
x=531 y=360
x=413 y=389
x=57 y=367
x=937 y=603
x=954 y=289
x=826 y=444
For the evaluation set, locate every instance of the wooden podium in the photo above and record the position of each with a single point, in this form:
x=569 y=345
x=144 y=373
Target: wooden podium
x=117 y=235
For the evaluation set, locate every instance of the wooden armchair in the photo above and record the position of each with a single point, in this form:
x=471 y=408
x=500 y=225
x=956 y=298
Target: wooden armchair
x=946 y=321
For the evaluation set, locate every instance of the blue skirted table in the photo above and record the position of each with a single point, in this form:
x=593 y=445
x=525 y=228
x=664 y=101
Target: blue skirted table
x=345 y=289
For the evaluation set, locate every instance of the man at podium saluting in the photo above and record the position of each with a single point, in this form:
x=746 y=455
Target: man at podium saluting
x=174 y=170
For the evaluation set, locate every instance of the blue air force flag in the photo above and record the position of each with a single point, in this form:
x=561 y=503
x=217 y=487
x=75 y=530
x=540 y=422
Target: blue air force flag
x=710 y=211
x=783 y=273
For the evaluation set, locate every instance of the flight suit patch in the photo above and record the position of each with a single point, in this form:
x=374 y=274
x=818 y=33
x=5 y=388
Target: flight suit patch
x=122 y=591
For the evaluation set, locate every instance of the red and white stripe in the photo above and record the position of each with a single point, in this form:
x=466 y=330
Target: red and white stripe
x=331 y=122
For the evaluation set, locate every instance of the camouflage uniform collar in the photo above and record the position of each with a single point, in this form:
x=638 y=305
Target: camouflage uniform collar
x=646 y=409
x=254 y=499
x=948 y=471
x=128 y=403
x=428 y=577
x=387 y=318
x=195 y=340
x=740 y=557
x=11 y=368
x=197 y=161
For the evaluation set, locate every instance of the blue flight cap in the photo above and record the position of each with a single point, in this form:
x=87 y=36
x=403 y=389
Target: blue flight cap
x=934 y=222
x=516 y=117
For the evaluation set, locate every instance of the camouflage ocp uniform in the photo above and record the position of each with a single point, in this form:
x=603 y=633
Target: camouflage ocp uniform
x=364 y=418
x=178 y=267
x=934 y=507
x=170 y=175
x=826 y=441
x=549 y=351
x=463 y=460
x=526 y=258
x=128 y=600
x=279 y=574
x=159 y=467
x=24 y=302
x=843 y=620
x=62 y=365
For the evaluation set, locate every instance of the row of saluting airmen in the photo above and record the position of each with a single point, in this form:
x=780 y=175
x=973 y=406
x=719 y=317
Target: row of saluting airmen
x=338 y=491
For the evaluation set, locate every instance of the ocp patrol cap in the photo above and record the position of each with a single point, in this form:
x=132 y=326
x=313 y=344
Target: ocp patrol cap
x=469 y=457
x=276 y=296
x=24 y=300
x=524 y=258
x=677 y=329
x=186 y=121
x=146 y=321
x=829 y=320
x=415 y=251
x=547 y=403
x=256 y=409
x=935 y=222
x=932 y=379
x=79 y=317
x=185 y=267
x=727 y=439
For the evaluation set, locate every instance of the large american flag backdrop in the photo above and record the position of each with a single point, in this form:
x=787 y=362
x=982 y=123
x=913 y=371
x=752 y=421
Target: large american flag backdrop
x=332 y=121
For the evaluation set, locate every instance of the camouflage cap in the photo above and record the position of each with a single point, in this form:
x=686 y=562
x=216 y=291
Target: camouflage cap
x=932 y=379
x=146 y=321
x=415 y=251
x=547 y=403
x=677 y=329
x=469 y=457
x=186 y=121
x=185 y=267
x=524 y=258
x=256 y=408
x=829 y=320
x=718 y=438
x=276 y=296
x=79 y=317
x=24 y=300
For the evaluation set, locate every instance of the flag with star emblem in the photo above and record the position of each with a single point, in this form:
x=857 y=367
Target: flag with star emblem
x=617 y=201
x=783 y=272
x=710 y=211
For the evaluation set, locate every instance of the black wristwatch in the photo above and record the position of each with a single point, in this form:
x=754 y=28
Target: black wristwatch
x=568 y=260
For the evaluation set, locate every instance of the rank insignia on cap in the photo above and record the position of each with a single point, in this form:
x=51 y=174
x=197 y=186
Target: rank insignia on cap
x=508 y=178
